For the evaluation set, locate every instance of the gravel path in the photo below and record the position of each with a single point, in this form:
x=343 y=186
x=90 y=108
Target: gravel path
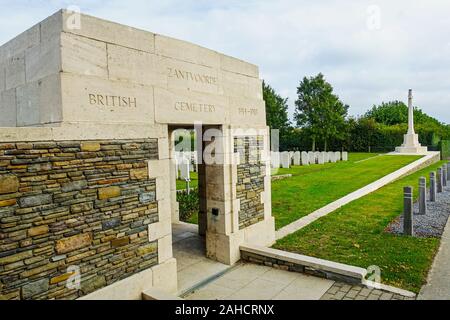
x=430 y=225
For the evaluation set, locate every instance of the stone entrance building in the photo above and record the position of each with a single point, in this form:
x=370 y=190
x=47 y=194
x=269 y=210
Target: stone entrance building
x=87 y=181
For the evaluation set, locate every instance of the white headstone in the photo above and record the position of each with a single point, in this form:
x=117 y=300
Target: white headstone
x=345 y=156
x=312 y=157
x=320 y=158
x=192 y=161
x=325 y=156
x=305 y=159
x=337 y=156
x=291 y=156
x=331 y=156
x=275 y=159
x=185 y=169
x=316 y=156
x=297 y=158
x=285 y=160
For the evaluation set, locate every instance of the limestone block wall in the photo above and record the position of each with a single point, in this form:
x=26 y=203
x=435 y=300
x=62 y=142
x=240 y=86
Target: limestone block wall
x=75 y=204
x=250 y=184
x=105 y=72
x=29 y=78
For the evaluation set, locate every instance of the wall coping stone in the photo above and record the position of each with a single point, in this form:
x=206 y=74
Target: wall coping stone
x=82 y=132
x=316 y=263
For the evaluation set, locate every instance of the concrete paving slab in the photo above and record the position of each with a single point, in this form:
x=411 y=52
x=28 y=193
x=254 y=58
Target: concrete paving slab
x=255 y=282
x=438 y=284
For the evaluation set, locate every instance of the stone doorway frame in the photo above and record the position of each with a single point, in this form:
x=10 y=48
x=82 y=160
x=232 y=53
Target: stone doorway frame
x=219 y=203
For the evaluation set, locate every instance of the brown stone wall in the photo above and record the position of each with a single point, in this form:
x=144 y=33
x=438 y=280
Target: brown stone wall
x=74 y=206
x=250 y=183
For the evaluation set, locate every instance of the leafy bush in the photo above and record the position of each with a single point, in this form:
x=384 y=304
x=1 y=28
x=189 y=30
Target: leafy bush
x=189 y=204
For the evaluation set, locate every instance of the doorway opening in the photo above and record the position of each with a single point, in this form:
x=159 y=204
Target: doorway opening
x=189 y=207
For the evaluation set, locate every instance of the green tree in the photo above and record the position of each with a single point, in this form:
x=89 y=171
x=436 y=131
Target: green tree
x=396 y=112
x=277 y=114
x=319 y=110
x=276 y=108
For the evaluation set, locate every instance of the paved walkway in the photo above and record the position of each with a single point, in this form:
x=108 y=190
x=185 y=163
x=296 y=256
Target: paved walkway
x=200 y=278
x=303 y=222
x=190 y=251
x=342 y=291
x=438 y=284
x=216 y=281
x=255 y=282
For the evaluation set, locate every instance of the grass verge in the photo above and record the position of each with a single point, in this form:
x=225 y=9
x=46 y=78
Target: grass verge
x=354 y=234
x=313 y=187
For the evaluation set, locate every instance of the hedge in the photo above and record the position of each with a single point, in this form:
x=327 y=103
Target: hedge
x=364 y=137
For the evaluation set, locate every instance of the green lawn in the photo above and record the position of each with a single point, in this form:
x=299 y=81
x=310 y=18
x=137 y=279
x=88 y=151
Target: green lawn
x=312 y=187
x=354 y=234
x=193 y=219
x=181 y=184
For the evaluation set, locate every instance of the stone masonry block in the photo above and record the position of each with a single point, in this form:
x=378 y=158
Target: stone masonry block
x=73 y=243
x=37 y=231
x=165 y=249
x=34 y=288
x=159 y=230
x=88 y=146
x=139 y=174
x=111 y=32
x=15 y=71
x=8 y=108
x=43 y=60
x=8 y=184
x=83 y=56
x=165 y=276
x=33 y=201
x=109 y=192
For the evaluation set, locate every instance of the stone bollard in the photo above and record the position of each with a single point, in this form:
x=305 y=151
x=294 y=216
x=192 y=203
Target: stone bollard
x=408 y=228
x=439 y=180
x=433 y=186
x=444 y=175
x=448 y=171
x=423 y=195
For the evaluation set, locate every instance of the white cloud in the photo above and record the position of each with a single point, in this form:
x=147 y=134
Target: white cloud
x=290 y=39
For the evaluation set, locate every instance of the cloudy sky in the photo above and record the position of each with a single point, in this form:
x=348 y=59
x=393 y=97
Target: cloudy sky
x=371 y=51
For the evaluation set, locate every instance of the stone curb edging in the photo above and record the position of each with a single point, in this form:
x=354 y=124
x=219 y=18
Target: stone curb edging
x=281 y=177
x=314 y=266
x=431 y=157
x=303 y=264
x=388 y=288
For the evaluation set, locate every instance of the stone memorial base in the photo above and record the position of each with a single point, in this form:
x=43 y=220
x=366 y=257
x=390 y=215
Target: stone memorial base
x=411 y=145
x=411 y=150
